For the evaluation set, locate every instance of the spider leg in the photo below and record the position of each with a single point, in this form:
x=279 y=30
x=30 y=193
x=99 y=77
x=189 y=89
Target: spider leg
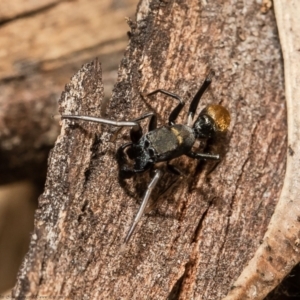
x=195 y=102
x=135 y=134
x=102 y=120
x=174 y=170
x=145 y=200
x=175 y=112
x=203 y=155
x=136 y=130
x=126 y=172
x=153 y=120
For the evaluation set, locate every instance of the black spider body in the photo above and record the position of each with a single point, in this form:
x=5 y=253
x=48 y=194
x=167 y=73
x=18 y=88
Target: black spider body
x=162 y=144
x=167 y=142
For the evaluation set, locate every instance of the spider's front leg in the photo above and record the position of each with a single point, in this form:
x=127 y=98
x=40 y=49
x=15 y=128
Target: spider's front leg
x=203 y=155
x=136 y=133
x=175 y=112
x=195 y=102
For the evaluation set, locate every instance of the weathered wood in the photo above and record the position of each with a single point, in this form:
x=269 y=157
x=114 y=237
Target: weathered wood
x=196 y=243
x=279 y=252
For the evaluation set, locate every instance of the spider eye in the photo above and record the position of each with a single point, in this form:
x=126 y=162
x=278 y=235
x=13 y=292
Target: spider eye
x=212 y=119
x=204 y=127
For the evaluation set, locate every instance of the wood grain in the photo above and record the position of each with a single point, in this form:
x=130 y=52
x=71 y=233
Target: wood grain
x=279 y=252
x=198 y=240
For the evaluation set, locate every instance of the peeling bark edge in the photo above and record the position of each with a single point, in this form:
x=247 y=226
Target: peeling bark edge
x=86 y=84
x=280 y=251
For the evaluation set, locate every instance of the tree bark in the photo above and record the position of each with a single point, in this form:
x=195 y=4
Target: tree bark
x=279 y=254
x=209 y=225
x=43 y=42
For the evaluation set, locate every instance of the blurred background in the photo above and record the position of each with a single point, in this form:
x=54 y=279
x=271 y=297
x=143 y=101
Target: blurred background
x=42 y=44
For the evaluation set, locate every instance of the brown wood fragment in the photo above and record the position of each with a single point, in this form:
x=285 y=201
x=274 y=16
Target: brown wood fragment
x=279 y=251
x=198 y=240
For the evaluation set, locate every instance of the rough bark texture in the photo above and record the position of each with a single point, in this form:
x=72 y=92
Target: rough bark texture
x=279 y=252
x=198 y=240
